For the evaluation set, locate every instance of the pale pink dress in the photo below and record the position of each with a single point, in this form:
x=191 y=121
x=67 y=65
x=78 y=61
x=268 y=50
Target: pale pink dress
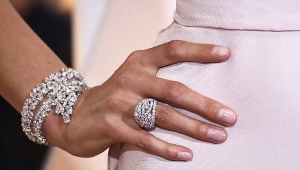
x=261 y=81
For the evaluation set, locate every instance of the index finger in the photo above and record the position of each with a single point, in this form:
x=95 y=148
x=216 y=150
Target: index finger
x=181 y=51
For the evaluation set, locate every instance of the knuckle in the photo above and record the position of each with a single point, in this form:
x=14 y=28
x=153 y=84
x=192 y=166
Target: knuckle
x=134 y=56
x=201 y=131
x=173 y=90
x=174 y=48
x=114 y=103
x=211 y=107
x=144 y=143
x=163 y=116
x=108 y=123
x=110 y=127
x=170 y=154
x=125 y=78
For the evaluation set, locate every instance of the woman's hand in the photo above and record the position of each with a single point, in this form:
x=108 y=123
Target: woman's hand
x=104 y=115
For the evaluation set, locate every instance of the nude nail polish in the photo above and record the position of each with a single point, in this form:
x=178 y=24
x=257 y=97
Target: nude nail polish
x=226 y=116
x=185 y=156
x=217 y=135
x=219 y=51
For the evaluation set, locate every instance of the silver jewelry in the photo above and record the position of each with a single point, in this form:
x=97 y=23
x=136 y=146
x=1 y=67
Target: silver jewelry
x=62 y=89
x=42 y=113
x=144 y=113
x=30 y=104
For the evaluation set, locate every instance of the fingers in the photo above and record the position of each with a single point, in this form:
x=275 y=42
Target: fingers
x=156 y=146
x=177 y=94
x=182 y=51
x=169 y=119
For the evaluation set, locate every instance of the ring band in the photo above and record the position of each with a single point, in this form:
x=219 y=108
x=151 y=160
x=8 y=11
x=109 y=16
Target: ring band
x=144 y=113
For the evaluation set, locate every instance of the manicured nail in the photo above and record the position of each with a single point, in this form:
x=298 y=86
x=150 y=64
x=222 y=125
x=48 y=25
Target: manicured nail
x=227 y=116
x=185 y=156
x=219 y=51
x=217 y=135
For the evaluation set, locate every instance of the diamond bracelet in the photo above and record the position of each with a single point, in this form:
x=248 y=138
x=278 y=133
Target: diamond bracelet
x=62 y=90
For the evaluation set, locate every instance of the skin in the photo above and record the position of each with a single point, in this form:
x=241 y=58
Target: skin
x=103 y=115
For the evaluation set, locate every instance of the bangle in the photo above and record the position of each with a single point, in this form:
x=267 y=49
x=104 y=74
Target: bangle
x=30 y=104
x=62 y=90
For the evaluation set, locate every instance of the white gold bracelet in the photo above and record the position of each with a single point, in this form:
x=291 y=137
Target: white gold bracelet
x=62 y=90
x=30 y=105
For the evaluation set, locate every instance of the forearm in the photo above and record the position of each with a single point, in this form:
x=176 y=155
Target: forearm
x=24 y=59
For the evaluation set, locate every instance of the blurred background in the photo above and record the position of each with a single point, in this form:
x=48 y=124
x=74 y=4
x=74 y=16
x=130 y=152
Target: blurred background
x=92 y=36
x=51 y=21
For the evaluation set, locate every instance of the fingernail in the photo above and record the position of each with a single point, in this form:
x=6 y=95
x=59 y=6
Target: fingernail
x=217 y=135
x=227 y=116
x=185 y=156
x=219 y=51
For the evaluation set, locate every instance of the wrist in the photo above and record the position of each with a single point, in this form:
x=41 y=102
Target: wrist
x=52 y=129
x=57 y=94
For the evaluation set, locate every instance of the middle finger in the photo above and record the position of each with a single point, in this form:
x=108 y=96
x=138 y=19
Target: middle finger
x=178 y=94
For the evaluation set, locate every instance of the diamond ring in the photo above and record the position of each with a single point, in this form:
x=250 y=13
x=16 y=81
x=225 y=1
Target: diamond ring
x=144 y=113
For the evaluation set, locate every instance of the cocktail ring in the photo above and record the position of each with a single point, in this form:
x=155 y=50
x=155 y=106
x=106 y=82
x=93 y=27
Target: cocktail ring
x=144 y=113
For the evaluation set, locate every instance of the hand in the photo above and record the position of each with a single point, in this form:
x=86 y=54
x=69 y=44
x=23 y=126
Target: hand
x=103 y=115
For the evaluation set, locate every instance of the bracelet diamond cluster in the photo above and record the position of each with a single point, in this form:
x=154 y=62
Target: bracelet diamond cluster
x=60 y=90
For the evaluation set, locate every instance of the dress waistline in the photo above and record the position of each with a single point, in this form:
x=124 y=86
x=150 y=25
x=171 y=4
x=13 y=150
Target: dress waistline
x=265 y=15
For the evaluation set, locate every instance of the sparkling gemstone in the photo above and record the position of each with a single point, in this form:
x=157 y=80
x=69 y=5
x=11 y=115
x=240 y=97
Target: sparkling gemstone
x=47 y=107
x=68 y=91
x=61 y=96
x=58 y=74
x=39 y=125
x=72 y=98
x=78 y=88
x=70 y=75
x=66 y=118
x=25 y=108
x=69 y=110
x=59 y=109
x=53 y=101
x=32 y=106
x=64 y=73
x=74 y=83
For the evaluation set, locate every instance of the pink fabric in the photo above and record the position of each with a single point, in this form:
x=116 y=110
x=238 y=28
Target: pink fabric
x=239 y=14
x=260 y=81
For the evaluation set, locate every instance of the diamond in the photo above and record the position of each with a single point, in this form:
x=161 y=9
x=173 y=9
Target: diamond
x=32 y=106
x=61 y=96
x=59 y=108
x=69 y=110
x=62 y=90
x=66 y=118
